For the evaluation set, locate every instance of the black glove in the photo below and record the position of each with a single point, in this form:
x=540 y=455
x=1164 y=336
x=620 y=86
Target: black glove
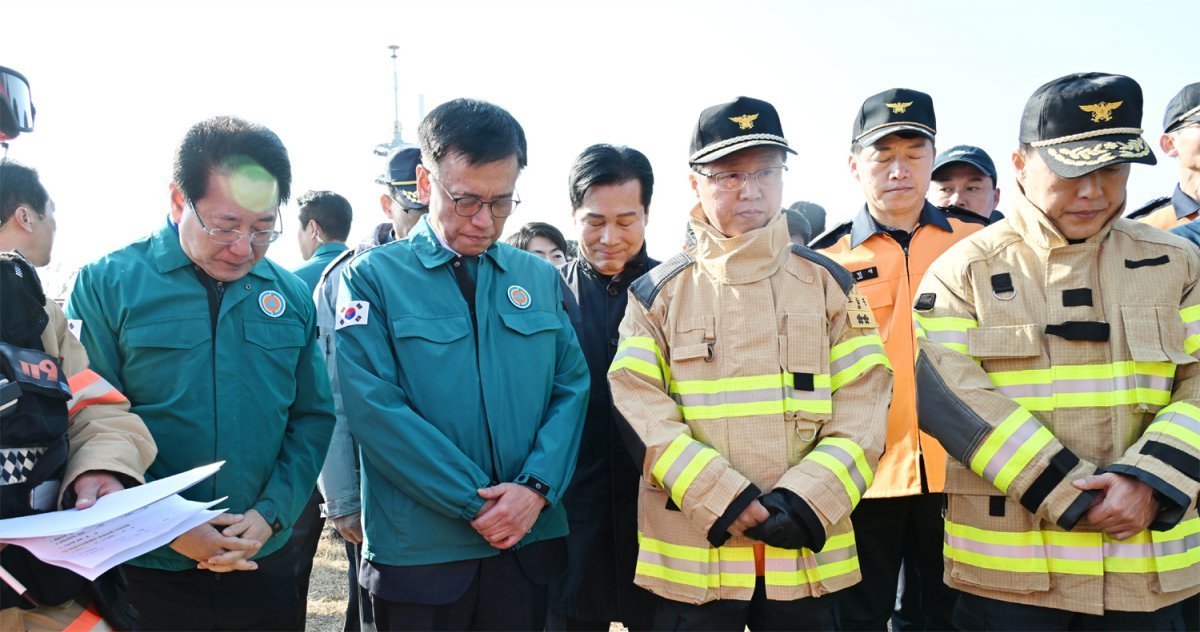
x=791 y=525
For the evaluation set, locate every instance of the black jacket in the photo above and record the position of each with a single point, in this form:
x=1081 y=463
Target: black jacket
x=601 y=500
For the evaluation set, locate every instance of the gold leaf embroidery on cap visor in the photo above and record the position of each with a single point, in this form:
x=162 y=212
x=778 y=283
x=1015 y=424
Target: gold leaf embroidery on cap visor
x=745 y=121
x=1099 y=153
x=1101 y=111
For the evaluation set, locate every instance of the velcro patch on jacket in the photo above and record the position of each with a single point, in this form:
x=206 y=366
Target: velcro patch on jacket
x=1080 y=331
x=925 y=302
x=1081 y=297
x=1002 y=283
x=1145 y=263
x=866 y=274
x=858 y=311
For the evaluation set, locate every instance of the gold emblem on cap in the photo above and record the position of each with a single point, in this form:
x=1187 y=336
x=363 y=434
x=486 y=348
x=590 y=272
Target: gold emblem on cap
x=1101 y=111
x=899 y=108
x=745 y=121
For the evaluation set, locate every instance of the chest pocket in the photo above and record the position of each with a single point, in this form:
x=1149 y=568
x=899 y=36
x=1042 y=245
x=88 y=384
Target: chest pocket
x=158 y=354
x=1155 y=337
x=879 y=295
x=531 y=323
x=428 y=341
x=694 y=339
x=280 y=342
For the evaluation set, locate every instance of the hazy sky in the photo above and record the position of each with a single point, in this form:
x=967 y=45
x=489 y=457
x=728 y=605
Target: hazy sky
x=116 y=85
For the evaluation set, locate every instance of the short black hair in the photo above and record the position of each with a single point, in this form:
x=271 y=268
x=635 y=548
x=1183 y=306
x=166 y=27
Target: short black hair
x=225 y=144
x=329 y=210
x=856 y=147
x=604 y=164
x=522 y=237
x=19 y=185
x=480 y=131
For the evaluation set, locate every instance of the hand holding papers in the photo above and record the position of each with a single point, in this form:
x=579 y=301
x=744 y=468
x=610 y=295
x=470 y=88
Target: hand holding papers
x=119 y=527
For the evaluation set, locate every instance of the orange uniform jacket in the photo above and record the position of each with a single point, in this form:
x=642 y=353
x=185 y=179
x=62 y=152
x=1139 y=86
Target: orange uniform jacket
x=888 y=276
x=1167 y=213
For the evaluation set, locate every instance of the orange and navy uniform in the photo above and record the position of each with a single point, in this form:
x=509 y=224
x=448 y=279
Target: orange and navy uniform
x=887 y=266
x=1167 y=213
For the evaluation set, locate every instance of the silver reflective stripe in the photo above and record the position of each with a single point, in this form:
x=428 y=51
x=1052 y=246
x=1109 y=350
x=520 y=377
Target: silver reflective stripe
x=15 y=464
x=1118 y=383
x=846 y=459
x=1011 y=444
x=749 y=397
x=673 y=563
x=849 y=359
x=1180 y=419
x=685 y=457
x=809 y=562
x=639 y=353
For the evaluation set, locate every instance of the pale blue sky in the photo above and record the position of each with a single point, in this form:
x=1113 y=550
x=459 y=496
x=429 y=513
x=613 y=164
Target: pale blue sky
x=117 y=83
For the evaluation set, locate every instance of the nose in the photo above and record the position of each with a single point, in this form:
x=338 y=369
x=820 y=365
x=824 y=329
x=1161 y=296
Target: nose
x=898 y=169
x=241 y=247
x=1089 y=186
x=751 y=190
x=483 y=219
x=608 y=234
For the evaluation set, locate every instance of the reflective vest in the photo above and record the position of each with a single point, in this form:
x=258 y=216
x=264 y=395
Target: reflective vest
x=745 y=366
x=888 y=275
x=1042 y=362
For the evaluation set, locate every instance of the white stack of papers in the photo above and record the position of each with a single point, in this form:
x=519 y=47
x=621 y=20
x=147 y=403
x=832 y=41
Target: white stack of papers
x=119 y=527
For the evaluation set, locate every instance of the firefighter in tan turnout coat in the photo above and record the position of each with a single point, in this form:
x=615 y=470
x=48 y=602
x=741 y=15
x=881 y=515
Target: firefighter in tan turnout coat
x=756 y=387
x=1058 y=366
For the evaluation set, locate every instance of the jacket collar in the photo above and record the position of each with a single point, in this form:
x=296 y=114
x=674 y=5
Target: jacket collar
x=1183 y=203
x=747 y=258
x=865 y=226
x=431 y=253
x=169 y=255
x=1031 y=223
x=331 y=247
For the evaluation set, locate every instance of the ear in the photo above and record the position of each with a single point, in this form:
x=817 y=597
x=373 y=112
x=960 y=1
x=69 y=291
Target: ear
x=385 y=203
x=694 y=179
x=996 y=200
x=1018 y=160
x=1167 y=142
x=423 y=184
x=177 y=203
x=313 y=227
x=24 y=221
x=852 y=163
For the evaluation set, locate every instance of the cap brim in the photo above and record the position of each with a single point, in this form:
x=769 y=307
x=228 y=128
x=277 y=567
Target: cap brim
x=873 y=136
x=1079 y=158
x=407 y=195
x=966 y=161
x=706 y=156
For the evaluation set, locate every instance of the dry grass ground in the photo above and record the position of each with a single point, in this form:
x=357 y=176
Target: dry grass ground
x=327 y=586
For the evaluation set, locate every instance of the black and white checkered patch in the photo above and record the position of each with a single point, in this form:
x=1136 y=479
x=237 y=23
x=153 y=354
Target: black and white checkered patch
x=16 y=463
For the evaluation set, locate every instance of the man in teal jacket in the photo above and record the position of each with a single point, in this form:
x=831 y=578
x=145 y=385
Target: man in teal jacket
x=215 y=348
x=465 y=389
x=325 y=219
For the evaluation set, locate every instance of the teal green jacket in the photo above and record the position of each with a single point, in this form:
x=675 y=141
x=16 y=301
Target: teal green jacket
x=435 y=419
x=310 y=271
x=255 y=394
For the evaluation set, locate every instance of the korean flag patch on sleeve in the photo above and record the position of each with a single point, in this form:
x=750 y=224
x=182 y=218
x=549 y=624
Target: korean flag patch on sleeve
x=352 y=313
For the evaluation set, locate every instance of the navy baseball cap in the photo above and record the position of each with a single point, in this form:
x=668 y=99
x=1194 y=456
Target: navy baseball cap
x=734 y=126
x=892 y=111
x=967 y=154
x=401 y=174
x=1086 y=121
x=1183 y=108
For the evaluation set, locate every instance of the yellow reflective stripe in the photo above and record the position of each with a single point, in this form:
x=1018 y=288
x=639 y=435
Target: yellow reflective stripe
x=1191 y=321
x=680 y=464
x=1180 y=420
x=829 y=453
x=744 y=383
x=838 y=557
x=709 y=559
x=948 y=331
x=1068 y=386
x=870 y=348
x=752 y=395
x=681 y=551
x=628 y=357
x=1009 y=448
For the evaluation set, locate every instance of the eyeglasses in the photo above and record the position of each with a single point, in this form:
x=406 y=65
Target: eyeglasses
x=468 y=206
x=227 y=236
x=767 y=178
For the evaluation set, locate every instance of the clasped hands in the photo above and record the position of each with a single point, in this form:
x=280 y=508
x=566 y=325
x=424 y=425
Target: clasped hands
x=508 y=513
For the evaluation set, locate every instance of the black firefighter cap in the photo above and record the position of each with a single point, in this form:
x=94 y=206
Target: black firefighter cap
x=1183 y=107
x=739 y=124
x=401 y=174
x=891 y=111
x=967 y=154
x=1085 y=121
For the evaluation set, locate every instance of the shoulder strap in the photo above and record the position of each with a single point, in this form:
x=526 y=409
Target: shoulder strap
x=1150 y=207
x=840 y=274
x=646 y=287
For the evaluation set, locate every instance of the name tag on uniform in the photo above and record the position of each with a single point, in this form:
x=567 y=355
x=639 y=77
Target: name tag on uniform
x=858 y=311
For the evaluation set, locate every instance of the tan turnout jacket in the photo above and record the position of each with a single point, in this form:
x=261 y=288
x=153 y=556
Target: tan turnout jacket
x=1042 y=362
x=746 y=365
